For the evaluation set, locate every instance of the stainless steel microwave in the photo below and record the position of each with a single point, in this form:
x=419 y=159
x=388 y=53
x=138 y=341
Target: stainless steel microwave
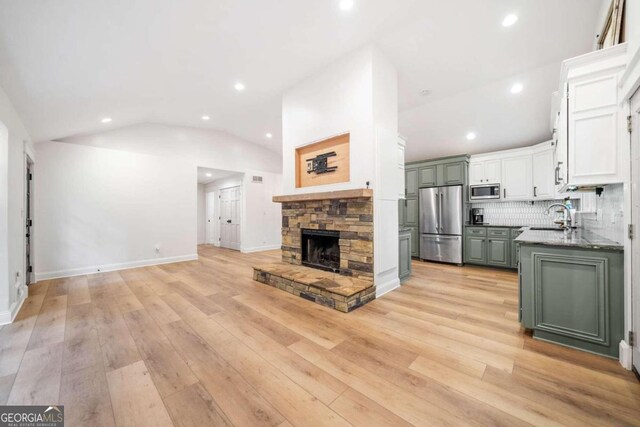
x=484 y=191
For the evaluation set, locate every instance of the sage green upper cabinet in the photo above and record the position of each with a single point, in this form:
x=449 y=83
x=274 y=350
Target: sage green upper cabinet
x=484 y=171
x=451 y=173
x=543 y=173
x=411 y=182
x=428 y=176
x=411 y=213
x=517 y=178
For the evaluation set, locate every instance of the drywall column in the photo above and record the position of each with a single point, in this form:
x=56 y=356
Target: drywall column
x=358 y=95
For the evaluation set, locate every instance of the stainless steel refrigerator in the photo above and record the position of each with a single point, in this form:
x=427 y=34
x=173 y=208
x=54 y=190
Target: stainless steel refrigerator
x=441 y=213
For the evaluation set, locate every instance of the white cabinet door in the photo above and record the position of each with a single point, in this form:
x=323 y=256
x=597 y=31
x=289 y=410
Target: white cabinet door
x=476 y=173
x=401 y=183
x=592 y=131
x=492 y=171
x=543 y=175
x=516 y=178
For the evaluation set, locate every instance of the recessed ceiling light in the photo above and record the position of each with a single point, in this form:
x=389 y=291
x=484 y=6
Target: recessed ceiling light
x=346 y=4
x=268 y=135
x=208 y=175
x=509 y=20
x=471 y=136
x=106 y=120
x=516 y=88
x=425 y=92
x=239 y=87
x=205 y=118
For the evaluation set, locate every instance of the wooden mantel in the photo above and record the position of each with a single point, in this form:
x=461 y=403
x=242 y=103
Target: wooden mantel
x=358 y=193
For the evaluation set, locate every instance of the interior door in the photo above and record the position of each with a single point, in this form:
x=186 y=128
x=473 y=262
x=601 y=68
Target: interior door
x=451 y=210
x=429 y=210
x=635 y=219
x=230 y=218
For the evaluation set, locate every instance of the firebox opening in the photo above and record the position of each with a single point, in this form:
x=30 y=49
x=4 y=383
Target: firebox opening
x=321 y=249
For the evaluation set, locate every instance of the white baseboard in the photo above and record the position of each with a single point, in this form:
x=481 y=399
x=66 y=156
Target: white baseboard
x=625 y=355
x=387 y=287
x=113 y=267
x=7 y=316
x=260 y=249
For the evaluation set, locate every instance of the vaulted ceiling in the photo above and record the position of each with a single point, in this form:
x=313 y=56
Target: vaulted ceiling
x=67 y=64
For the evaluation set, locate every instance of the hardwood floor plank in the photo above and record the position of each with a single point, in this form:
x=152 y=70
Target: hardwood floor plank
x=361 y=411
x=78 y=291
x=6 y=383
x=14 y=339
x=314 y=380
x=236 y=397
x=85 y=394
x=169 y=372
x=81 y=343
x=49 y=328
x=193 y=406
x=38 y=379
x=134 y=397
x=117 y=346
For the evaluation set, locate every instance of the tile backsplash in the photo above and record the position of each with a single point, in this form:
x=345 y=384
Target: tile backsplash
x=520 y=213
x=608 y=218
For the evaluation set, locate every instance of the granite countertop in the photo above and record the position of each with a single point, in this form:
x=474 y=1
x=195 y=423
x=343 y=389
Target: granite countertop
x=579 y=238
x=486 y=224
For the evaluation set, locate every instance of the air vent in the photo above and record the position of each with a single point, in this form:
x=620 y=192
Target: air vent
x=257 y=179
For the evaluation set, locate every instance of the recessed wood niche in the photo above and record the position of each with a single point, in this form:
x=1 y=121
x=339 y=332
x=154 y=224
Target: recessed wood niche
x=338 y=144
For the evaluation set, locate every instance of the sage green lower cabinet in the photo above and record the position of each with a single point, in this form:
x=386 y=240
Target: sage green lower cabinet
x=491 y=246
x=404 y=254
x=498 y=252
x=573 y=296
x=475 y=250
x=515 y=248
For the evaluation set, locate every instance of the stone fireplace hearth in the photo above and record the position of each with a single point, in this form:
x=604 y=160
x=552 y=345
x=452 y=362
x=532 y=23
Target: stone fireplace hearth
x=327 y=248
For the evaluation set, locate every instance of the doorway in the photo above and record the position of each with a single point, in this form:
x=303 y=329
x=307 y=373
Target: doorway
x=635 y=220
x=220 y=195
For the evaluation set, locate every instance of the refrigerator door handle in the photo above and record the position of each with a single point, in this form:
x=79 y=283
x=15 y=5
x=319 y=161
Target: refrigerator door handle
x=438 y=215
x=440 y=212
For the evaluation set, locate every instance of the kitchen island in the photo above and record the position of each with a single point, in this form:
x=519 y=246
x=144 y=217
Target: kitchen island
x=571 y=289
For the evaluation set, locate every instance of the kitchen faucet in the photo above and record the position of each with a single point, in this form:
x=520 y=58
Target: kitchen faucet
x=566 y=222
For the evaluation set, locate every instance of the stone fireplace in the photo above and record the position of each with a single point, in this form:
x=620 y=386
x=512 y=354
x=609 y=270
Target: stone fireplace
x=327 y=248
x=321 y=249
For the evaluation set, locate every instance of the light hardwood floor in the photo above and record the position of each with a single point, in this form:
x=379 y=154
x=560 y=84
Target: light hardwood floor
x=200 y=343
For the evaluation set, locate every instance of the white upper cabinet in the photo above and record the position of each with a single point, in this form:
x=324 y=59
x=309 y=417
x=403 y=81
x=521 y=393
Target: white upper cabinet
x=590 y=140
x=484 y=172
x=543 y=172
x=517 y=178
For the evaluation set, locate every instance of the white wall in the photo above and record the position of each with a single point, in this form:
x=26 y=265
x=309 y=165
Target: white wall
x=107 y=208
x=14 y=145
x=201 y=215
x=357 y=94
x=100 y=209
